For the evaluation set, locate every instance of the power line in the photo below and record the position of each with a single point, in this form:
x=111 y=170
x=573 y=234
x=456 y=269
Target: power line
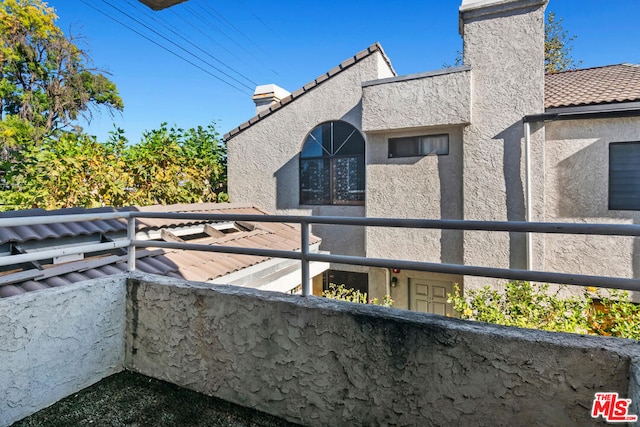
x=190 y=10
x=176 y=45
x=258 y=18
x=186 y=21
x=196 y=46
x=164 y=47
x=220 y=18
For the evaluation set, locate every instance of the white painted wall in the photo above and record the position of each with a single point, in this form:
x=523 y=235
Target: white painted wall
x=58 y=341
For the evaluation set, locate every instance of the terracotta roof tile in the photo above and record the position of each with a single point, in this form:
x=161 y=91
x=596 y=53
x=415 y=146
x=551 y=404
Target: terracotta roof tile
x=376 y=47
x=591 y=86
x=191 y=265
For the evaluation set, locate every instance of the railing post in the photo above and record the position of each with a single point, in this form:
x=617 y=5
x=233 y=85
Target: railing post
x=304 y=249
x=131 y=250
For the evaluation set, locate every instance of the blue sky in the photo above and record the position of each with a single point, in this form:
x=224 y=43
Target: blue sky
x=288 y=42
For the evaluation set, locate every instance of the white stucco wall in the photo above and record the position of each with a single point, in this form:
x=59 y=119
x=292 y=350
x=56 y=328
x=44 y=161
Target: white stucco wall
x=57 y=341
x=576 y=185
x=428 y=99
x=263 y=159
x=504 y=45
x=320 y=362
x=428 y=187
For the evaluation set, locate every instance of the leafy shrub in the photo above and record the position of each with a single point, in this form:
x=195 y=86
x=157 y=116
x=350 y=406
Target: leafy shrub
x=340 y=292
x=527 y=305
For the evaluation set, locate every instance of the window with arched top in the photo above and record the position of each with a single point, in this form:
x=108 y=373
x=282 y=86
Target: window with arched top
x=332 y=166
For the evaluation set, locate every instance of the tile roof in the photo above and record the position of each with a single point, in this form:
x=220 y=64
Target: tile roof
x=190 y=265
x=376 y=47
x=591 y=86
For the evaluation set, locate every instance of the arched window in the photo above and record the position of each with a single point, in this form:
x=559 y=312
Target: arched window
x=332 y=166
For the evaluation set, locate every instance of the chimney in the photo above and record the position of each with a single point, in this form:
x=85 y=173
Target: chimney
x=267 y=95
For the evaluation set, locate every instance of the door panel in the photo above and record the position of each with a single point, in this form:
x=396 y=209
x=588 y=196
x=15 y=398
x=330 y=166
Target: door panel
x=430 y=296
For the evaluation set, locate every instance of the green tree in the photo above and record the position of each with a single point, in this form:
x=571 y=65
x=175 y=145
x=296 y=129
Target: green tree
x=169 y=165
x=557 y=46
x=45 y=78
x=72 y=170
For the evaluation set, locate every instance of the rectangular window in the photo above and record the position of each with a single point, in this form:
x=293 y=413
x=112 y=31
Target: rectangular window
x=350 y=280
x=624 y=176
x=414 y=146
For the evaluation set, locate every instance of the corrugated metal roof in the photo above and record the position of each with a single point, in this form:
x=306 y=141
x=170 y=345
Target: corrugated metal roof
x=592 y=86
x=190 y=265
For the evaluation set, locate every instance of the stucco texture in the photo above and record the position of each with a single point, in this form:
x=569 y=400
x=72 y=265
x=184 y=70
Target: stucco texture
x=57 y=341
x=412 y=103
x=505 y=48
x=263 y=159
x=576 y=187
x=324 y=363
x=427 y=187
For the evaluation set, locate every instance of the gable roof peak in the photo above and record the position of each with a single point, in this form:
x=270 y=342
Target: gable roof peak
x=347 y=63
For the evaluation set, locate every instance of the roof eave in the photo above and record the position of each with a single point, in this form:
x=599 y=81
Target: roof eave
x=376 y=47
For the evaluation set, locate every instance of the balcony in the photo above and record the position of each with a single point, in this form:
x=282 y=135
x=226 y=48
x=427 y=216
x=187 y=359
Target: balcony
x=304 y=359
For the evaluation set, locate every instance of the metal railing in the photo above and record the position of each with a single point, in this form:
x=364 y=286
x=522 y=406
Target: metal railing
x=305 y=256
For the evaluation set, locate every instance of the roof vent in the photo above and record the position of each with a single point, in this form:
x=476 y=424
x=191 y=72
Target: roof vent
x=266 y=95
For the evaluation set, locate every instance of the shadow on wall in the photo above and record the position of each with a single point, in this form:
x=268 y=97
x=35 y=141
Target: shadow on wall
x=287 y=185
x=582 y=190
x=451 y=204
x=582 y=183
x=514 y=187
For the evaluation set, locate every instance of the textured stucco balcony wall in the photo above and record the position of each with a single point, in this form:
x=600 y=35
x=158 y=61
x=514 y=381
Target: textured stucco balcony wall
x=58 y=341
x=438 y=98
x=320 y=362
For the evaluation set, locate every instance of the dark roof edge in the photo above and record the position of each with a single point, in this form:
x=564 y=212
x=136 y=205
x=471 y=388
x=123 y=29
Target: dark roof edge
x=595 y=67
x=376 y=47
x=417 y=76
x=584 y=112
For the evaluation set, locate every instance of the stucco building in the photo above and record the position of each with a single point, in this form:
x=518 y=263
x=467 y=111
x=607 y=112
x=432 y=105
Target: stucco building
x=494 y=140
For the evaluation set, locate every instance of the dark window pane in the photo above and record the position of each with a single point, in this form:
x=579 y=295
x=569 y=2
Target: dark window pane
x=347 y=140
x=348 y=180
x=624 y=176
x=403 y=147
x=315 y=181
x=313 y=145
x=350 y=280
x=327 y=138
x=426 y=145
x=332 y=167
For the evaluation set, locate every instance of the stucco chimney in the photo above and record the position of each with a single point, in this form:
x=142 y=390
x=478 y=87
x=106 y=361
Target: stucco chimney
x=504 y=46
x=265 y=95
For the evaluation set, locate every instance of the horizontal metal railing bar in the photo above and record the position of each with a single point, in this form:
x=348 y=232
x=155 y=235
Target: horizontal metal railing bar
x=504 y=226
x=270 y=253
x=57 y=219
x=40 y=255
x=491 y=272
x=446 y=224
